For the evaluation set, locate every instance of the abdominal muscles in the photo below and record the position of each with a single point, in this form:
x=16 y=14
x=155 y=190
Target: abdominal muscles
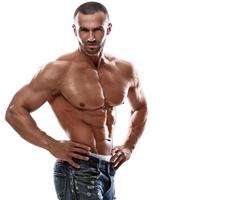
x=89 y=127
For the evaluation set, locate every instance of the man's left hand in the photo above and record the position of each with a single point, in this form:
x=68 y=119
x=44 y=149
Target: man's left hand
x=120 y=154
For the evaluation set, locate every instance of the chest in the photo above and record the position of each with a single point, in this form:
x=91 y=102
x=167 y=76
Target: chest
x=91 y=88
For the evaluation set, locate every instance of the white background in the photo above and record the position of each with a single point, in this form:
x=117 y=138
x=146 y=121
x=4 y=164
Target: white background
x=190 y=57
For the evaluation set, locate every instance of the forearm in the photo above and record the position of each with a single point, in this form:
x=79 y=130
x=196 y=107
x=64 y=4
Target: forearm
x=137 y=124
x=27 y=128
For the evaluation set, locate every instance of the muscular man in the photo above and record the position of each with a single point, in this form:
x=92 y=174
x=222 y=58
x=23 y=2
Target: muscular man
x=83 y=89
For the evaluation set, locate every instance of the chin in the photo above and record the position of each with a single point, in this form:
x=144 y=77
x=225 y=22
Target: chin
x=92 y=53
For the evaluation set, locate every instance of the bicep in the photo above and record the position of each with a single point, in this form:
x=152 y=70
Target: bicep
x=41 y=87
x=136 y=97
x=29 y=98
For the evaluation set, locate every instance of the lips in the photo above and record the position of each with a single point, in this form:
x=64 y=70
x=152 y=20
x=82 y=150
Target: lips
x=91 y=46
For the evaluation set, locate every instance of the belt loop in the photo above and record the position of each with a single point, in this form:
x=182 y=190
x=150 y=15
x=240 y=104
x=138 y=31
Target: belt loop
x=99 y=164
x=109 y=168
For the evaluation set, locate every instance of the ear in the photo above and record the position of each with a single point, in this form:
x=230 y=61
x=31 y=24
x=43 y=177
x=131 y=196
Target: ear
x=74 y=29
x=109 y=28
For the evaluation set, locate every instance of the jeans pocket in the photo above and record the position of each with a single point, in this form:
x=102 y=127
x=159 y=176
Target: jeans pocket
x=60 y=180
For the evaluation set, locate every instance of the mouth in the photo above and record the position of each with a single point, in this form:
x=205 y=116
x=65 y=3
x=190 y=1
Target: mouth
x=92 y=46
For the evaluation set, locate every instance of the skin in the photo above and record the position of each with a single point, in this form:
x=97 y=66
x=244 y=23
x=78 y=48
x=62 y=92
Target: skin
x=83 y=88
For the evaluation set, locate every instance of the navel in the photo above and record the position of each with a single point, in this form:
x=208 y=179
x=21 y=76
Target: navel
x=81 y=104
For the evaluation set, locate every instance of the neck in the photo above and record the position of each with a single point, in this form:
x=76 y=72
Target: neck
x=95 y=59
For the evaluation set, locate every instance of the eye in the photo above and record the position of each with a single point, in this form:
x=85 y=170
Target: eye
x=98 y=30
x=81 y=29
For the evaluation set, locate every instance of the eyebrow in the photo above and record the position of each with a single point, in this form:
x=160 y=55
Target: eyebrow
x=87 y=29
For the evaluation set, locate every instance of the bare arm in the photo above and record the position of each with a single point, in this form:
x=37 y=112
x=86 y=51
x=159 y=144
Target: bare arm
x=31 y=97
x=138 y=116
x=18 y=116
x=25 y=101
x=137 y=123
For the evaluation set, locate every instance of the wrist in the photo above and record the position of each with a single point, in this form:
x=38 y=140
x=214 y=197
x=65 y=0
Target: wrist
x=129 y=146
x=47 y=141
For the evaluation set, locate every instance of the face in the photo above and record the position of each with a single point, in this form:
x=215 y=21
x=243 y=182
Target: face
x=91 y=31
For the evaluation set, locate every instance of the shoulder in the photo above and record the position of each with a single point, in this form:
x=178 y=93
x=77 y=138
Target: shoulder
x=68 y=57
x=124 y=66
x=56 y=68
x=52 y=70
x=128 y=68
x=49 y=76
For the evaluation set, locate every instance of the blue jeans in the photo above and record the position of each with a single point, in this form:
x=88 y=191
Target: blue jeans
x=94 y=180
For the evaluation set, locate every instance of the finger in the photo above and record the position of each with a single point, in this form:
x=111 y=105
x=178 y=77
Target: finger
x=116 y=156
x=118 y=165
x=78 y=156
x=72 y=163
x=115 y=150
x=113 y=158
x=83 y=146
x=82 y=151
x=118 y=162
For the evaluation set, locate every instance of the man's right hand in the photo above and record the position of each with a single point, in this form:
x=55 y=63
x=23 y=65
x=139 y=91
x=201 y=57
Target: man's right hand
x=66 y=150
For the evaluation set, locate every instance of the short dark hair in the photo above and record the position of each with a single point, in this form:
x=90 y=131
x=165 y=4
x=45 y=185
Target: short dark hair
x=91 y=8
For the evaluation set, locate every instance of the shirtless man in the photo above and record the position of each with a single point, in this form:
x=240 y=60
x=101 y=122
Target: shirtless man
x=83 y=89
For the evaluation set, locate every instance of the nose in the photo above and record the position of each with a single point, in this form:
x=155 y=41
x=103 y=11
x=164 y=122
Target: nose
x=91 y=37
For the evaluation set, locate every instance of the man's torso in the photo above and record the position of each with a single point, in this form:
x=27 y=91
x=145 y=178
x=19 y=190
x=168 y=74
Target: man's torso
x=86 y=97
